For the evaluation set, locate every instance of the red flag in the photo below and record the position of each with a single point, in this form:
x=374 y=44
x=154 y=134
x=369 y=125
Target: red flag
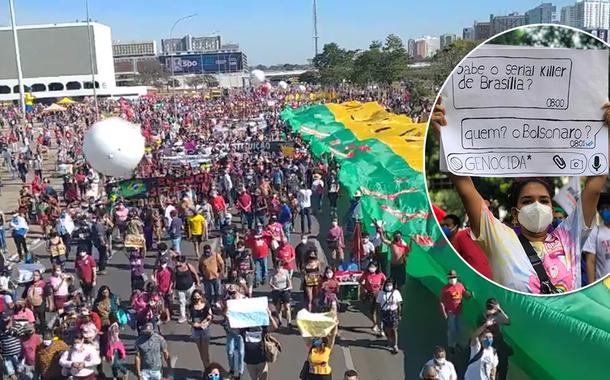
x=438 y=213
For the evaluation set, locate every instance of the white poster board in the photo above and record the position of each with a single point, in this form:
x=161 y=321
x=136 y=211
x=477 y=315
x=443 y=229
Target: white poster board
x=248 y=312
x=568 y=195
x=523 y=111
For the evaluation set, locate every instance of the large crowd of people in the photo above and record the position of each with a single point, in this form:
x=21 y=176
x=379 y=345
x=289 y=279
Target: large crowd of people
x=213 y=184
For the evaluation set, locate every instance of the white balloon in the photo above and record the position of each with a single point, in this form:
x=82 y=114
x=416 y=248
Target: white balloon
x=258 y=76
x=114 y=147
x=302 y=88
x=283 y=85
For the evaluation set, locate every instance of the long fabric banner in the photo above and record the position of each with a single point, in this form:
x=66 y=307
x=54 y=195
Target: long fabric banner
x=151 y=187
x=381 y=154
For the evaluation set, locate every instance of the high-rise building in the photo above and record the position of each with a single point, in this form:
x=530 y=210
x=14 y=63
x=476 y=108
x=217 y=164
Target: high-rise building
x=426 y=47
x=502 y=23
x=411 y=47
x=447 y=39
x=189 y=44
x=544 y=13
x=482 y=30
x=134 y=49
x=587 y=14
x=468 y=33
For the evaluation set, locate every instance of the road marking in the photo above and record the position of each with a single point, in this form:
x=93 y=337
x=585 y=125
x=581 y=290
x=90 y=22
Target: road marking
x=173 y=360
x=35 y=244
x=347 y=354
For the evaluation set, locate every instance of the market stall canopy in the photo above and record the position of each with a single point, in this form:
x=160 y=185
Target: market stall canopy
x=66 y=101
x=54 y=108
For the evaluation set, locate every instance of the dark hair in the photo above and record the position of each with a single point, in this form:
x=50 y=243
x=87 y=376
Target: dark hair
x=197 y=291
x=454 y=218
x=212 y=366
x=518 y=184
x=100 y=292
x=161 y=247
x=350 y=373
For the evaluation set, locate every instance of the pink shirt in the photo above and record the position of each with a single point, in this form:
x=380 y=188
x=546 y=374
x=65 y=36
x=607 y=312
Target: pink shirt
x=25 y=314
x=29 y=348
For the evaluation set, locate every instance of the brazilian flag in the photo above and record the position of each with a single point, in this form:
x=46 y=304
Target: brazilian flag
x=133 y=188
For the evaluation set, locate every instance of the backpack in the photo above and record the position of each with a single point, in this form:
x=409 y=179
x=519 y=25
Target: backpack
x=272 y=348
x=123 y=317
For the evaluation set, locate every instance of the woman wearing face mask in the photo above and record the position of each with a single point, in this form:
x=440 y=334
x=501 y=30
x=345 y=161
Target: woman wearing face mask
x=389 y=301
x=59 y=283
x=318 y=359
x=186 y=280
x=311 y=276
x=214 y=371
x=329 y=290
x=35 y=296
x=335 y=242
x=80 y=361
x=200 y=314
x=244 y=264
x=372 y=281
x=281 y=287
x=522 y=262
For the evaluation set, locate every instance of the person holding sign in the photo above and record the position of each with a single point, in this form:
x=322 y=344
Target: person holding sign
x=535 y=260
x=318 y=358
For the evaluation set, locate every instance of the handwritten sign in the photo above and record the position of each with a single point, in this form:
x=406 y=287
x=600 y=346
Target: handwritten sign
x=523 y=111
x=248 y=312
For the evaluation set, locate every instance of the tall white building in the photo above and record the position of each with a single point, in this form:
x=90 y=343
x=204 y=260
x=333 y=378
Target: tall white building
x=426 y=47
x=587 y=14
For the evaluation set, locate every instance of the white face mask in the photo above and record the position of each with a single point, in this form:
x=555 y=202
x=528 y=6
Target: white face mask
x=304 y=241
x=535 y=217
x=47 y=343
x=440 y=361
x=163 y=266
x=372 y=269
x=83 y=254
x=453 y=281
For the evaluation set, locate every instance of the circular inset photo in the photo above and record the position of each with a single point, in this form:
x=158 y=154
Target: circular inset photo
x=517 y=159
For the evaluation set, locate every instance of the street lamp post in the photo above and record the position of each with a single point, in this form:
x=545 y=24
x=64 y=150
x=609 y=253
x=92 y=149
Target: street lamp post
x=171 y=57
x=17 y=59
x=97 y=112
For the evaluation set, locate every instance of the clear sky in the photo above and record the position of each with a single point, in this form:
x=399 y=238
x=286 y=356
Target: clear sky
x=272 y=31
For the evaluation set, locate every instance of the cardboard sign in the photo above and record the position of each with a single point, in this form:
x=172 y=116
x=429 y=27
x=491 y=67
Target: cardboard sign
x=248 y=312
x=523 y=111
x=568 y=195
x=315 y=324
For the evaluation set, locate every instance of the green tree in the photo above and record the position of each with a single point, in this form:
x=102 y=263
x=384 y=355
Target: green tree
x=311 y=77
x=395 y=60
x=368 y=65
x=445 y=60
x=196 y=81
x=151 y=72
x=334 y=64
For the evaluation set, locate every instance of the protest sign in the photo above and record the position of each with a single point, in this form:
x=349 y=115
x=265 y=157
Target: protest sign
x=247 y=312
x=568 y=195
x=522 y=111
x=315 y=324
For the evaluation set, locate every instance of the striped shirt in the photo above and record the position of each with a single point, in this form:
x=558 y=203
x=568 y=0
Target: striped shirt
x=10 y=344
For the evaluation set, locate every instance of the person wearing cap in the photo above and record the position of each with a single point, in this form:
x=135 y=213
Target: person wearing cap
x=151 y=352
x=452 y=296
x=196 y=230
x=354 y=212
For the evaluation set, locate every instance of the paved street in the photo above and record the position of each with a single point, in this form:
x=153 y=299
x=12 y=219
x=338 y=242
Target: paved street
x=357 y=347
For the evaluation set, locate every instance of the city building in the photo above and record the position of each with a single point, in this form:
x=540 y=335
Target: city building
x=468 y=33
x=411 y=47
x=134 y=49
x=482 y=30
x=542 y=14
x=446 y=40
x=426 y=47
x=586 y=14
x=501 y=23
x=55 y=62
x=189 y=44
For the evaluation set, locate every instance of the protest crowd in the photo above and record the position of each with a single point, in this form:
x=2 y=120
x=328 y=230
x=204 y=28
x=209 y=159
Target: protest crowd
x=227 y=178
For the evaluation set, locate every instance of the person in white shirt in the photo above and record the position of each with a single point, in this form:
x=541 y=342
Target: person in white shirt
x=390 y=301
x=168 y=213
x=368 y=250
x=483 y=361
x=597 y=248
x=317 y=189
x=81 y=360
x=444 y=368
x=304 y=199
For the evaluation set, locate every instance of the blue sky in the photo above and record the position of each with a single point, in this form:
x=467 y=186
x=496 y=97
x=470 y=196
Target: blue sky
x=272 y=31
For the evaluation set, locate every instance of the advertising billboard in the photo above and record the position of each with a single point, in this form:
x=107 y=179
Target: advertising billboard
x=205 y=63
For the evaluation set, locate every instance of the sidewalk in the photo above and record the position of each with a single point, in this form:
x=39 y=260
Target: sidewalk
x=9 y=200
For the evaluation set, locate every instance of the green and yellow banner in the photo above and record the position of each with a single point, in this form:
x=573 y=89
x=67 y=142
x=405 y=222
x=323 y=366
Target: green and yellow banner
x=381 y=154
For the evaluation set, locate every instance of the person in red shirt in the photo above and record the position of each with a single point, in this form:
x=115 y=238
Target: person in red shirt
x=462 y=242
x=259 y=242
x=452 y=296
x=329 y=290
x=219 y=206
x=372 y=281
x=286 y=254
x=164 y=277
x=85 y=271
x=244 y=206
x=86 y=315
